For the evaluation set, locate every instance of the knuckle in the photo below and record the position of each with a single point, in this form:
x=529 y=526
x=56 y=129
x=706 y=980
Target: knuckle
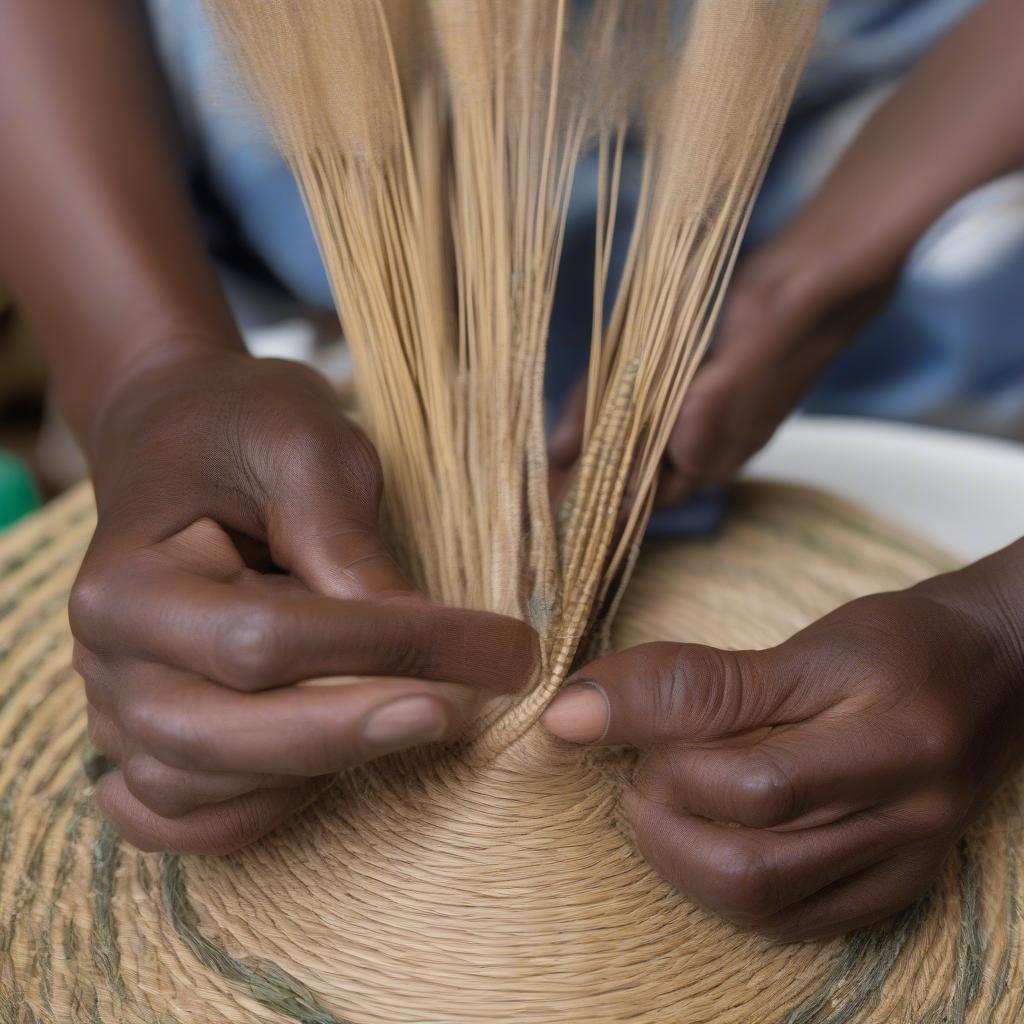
x=162 y=726
x=745 y=886
x=132 y=824
x=317 y=451
x=90 y=607
x=667 y=673
x=939 y=814
x=688 y=460
x=165 y=791
x=703 y=686
x=716 y=678
x=145 y=780
x=250 y=652
x=943 y=737
x=409 y=652
x=776 y=290
x=411 y=659
x=658 y=776
x=767 y=795
x=137 y=718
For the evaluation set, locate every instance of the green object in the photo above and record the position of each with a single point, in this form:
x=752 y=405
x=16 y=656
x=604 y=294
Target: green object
x=18 y=494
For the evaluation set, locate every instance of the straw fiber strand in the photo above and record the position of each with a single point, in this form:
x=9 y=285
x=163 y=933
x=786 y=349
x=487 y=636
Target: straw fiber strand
x=431 y=891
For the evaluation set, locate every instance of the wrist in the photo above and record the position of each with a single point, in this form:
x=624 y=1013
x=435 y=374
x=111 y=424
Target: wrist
x=803 y=286
x=829 y=246
x=136 y=370
x=989 y=595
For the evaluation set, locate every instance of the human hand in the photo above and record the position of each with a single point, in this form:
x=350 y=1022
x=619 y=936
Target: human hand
x=208 y=469
x=816 y=787
x=791 y=310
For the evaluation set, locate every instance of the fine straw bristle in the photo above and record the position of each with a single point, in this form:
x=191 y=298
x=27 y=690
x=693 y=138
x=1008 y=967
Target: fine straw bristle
x=436 y=143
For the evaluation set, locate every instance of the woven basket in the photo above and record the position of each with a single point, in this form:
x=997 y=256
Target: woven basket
x=432 y=889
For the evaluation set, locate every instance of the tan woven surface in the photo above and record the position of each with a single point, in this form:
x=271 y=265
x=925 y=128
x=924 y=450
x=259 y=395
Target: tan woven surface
x=428 y=890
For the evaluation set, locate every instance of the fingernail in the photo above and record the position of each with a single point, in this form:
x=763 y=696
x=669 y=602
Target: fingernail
x=405 y=722
x=581 y=713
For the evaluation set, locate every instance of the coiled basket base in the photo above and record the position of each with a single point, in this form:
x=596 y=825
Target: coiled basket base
x=433 y=890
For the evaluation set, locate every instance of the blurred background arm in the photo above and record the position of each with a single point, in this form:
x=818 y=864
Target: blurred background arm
x=99 y=246
x=957 y=122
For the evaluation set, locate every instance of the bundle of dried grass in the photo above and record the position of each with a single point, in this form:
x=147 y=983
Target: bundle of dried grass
x=436 y=143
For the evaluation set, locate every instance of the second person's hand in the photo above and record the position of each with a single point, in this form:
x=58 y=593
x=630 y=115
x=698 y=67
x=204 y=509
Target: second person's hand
x=792 y=309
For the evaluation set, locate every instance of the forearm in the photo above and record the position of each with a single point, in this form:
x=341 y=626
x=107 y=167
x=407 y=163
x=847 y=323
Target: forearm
x=956 y=123
x=99 y=245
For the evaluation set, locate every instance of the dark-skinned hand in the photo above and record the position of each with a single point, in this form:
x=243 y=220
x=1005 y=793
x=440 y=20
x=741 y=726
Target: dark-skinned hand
x=817 y=787
x=788 y=315
x=208 y=468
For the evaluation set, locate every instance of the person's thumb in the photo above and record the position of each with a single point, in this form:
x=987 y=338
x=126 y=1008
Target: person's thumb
x=325 y=529
x=347 y=558
x=664 y=692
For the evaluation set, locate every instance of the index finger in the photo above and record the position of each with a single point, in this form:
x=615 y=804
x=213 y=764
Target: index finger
x=254 y=638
